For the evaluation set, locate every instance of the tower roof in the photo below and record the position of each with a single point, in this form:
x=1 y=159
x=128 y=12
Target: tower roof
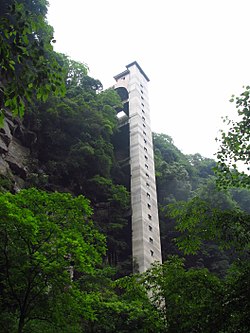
x=139 y=67
x=116 y=77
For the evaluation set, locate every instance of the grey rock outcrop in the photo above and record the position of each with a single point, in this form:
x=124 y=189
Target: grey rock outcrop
x=14 y=155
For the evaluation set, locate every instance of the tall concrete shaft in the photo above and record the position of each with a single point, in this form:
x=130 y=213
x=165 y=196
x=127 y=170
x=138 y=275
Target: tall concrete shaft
x=146 y=247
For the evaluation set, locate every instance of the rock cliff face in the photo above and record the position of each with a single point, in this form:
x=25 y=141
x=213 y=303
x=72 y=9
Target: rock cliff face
x=14 y=153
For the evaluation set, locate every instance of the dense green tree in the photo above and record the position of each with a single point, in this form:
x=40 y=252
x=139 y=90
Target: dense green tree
x=190 y=300
x=124 y=307
x=44 y=239
x=198 y=222
x=210 y=193
x=203 y=165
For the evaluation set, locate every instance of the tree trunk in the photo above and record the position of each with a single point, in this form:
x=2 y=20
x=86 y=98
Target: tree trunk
x=20 y=324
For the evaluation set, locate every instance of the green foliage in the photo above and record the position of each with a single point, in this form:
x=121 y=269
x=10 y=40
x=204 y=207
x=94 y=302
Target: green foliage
x=198 y=221
x=237 y=294
x=111 y=206
x=173 y=181
x=242 y=197
x=43 y=237
x=178 y=175
x=203 y=166
x=6 y=183
x=190 y=300
x=124 y=307
x=28 y=65
x=215 y=197
x=234 y=146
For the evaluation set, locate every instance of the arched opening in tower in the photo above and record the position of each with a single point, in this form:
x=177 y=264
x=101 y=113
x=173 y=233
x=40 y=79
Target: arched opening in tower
x=123 y=112
x=123 y=93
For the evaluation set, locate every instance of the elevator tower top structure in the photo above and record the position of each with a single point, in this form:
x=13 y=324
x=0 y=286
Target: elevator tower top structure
x=131 y=85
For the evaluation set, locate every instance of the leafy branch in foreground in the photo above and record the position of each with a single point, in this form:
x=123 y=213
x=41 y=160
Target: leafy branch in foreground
x=235 y=146
x=28 y=65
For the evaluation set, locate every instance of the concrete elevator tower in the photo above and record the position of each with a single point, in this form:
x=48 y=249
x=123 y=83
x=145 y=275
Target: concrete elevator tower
x=131 y=85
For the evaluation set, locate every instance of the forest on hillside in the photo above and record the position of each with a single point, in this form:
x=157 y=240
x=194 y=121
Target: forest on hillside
x=65 y=229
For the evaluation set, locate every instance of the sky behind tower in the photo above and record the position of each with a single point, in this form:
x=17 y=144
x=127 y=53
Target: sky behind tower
x=196 y=54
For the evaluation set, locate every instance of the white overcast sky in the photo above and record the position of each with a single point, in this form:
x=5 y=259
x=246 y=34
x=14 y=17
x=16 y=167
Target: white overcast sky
x=195 y=52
